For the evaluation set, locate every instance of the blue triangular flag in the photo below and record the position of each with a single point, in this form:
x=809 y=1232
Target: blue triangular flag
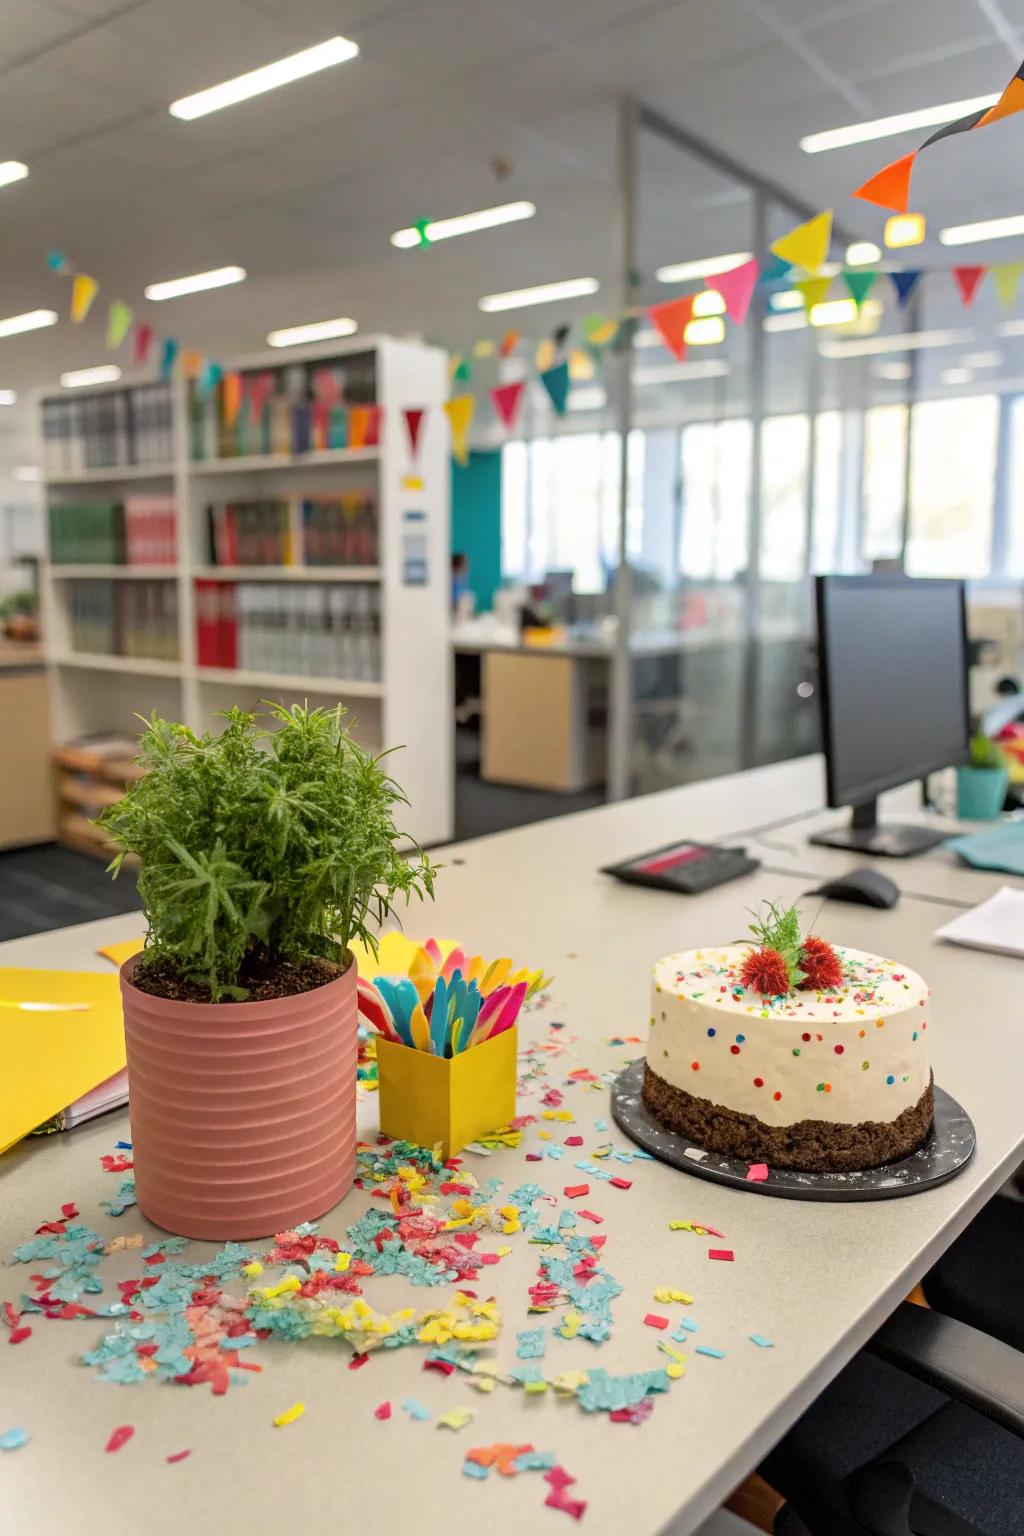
x=774 y=270
x=168 y=358
x=904 y=283
x=556 y=382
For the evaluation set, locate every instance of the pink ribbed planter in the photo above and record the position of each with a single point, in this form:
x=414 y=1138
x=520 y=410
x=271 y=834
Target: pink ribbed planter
x=243 y=1114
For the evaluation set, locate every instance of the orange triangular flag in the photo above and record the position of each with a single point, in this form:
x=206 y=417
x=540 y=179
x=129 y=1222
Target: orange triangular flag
x=1011 y=101
x=508 y=343
x=890 y=187
x=967 y=280
x=670 y=320
x=807 y=245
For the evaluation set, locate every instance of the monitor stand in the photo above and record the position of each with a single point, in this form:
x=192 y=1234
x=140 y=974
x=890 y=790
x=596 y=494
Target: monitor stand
x=863 y=834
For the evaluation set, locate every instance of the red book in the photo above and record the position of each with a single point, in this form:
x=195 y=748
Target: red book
x=208 y=623
x=228 y=627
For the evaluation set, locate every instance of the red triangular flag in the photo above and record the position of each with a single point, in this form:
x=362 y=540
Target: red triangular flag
x=890 y=187
x=967 y=280
x=143 y=342
x=413 y=424
x=670 y=320
x=506 y=399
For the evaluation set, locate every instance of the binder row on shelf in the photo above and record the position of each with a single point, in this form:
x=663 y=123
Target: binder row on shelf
x=109 y=431
x=301 y=629
x=298 y=408
x=140 y=530
x=137 y=619
x=333 y=529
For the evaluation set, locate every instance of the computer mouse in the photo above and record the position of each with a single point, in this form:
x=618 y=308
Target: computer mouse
x=867 y=887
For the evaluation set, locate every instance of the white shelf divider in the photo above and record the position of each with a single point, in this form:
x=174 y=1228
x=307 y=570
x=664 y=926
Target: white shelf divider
x=118 y=572
x=324 y=573
x=351 y=689
x=148 y=666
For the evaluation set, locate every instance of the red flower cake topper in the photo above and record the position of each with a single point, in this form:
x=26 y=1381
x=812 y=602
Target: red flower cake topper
x=782 y=961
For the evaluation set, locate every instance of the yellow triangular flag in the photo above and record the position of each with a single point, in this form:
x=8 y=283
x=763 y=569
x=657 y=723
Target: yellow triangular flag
x=807 y=245
x=83 y=291
x=485 y=347
x=1007 y=278
x=812 y=290
x=460 y=414
x=119 y=319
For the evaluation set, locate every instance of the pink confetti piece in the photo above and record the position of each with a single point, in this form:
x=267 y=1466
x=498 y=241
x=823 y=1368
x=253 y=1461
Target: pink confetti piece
x=756 y=1174
x=120 y=1437
x=621 y=1183
x=574 y=1141
x=382 y=1411
x=178 y=1456
x=590 y=1216
x=576 y=1191
x=652 y=1320
x=721 y=1253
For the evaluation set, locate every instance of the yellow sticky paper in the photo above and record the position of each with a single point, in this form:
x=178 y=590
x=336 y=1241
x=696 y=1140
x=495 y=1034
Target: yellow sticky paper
x=54 y=1057
x=290 y=1415
x=119 y=953
x=412 y=482
x=455 y=1418
x=428 y=1099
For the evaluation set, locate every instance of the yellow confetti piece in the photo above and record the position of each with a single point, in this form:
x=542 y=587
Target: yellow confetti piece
x=558 y=1114
x=455 y=1418
x=252 y=1269
x=601 y=1152
x=570 y=1325
x=504 y=1250
x=569 y=1382
x=290 y=1415
x=665 y=1293
x=341 y=1262
x=535 y=1388
x=545 y=1135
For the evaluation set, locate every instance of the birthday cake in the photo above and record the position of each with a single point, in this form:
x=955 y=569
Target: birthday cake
x=790 y=1052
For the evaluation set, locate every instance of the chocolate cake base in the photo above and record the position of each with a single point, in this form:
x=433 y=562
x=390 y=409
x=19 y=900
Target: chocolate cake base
x=815 y=1146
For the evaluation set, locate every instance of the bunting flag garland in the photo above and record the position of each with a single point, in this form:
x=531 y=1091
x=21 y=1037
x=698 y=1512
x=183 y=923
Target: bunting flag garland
x=628 y=327
x=119 y=322
x=508 y=342
x=484 y=347
x=57 y=262
x=556 y=382
x=506 y=399
x=736 y=287
x=860 y=284
x=890 y=187
x=812 y=290
x=774 y=270
x=191 y=362
x=210 y=375
x=168 y=357
x=1007 y=276
x=459 y=411
x=461 y=370
x=143 y=342
x=807 y=245
x=413 y=418
x=83 y=291
x=670 y=321
x=968 y=280
x=904 y=283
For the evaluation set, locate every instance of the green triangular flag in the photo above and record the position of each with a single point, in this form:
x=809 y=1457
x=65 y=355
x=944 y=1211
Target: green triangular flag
x=556 y=382
x=463 y=372
x=860 y=285
x=119 y=319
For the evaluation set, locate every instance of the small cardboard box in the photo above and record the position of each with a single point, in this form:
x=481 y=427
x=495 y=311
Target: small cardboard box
x=428 y=1099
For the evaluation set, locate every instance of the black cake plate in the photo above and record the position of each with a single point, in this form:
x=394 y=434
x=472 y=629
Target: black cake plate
x=949 y=1147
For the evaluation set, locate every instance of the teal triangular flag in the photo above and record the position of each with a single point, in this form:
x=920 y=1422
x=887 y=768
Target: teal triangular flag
x=556 y=382
x=860 y=285
x=775 y=270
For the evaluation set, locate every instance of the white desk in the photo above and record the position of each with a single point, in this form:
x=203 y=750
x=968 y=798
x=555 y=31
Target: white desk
x=817 y=1279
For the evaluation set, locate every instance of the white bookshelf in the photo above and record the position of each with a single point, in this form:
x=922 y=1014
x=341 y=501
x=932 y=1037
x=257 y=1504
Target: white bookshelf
x=410 y=704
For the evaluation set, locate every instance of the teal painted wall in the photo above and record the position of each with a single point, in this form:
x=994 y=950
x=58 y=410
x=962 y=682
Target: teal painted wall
x=476 y=521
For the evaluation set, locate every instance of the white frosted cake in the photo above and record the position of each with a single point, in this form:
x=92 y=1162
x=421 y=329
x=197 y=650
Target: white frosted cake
x=809 y=1077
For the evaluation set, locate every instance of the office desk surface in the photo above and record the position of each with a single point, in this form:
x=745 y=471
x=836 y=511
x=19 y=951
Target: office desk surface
x=816 y=1279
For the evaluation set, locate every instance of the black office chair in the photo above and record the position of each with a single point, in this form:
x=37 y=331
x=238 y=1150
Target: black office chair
x=980 y=1278
x=920 y=1435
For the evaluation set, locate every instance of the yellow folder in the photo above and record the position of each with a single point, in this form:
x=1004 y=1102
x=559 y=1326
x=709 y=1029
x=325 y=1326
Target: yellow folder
x=61 y=1034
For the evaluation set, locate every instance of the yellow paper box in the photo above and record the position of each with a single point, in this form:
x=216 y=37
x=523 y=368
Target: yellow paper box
x=426 y=1099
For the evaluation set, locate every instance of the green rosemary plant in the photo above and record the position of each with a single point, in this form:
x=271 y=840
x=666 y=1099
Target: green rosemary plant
x=261 y=846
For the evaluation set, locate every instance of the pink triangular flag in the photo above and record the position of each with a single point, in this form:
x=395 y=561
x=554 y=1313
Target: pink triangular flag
x=413 y=424
x=737 y=288
x=506 y=399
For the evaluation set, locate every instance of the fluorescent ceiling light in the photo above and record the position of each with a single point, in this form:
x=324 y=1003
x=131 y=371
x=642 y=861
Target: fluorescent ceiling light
x=708 y=303
x=892 y=371
x=844 y=312
x=8 y=397
x=705 y=333
x=1011 y=328
x=12 y=170
x=27 y=472
x=678 y=373
x=983 y=360
x=903 y=122
x=789 y=298
x=219 y=277
x=797 y=321
x=955 y=376
x=463 y=224
x=986 y=229
x=546 y=293
x=909 y=341
x=106 y=373
x=708 y=266
x=905 y=229
x=318 y=330
x=590 y=398
x=336 y=50
x=862 y=253
x=34 y=320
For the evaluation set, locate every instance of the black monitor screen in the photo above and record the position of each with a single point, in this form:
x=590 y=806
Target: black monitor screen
x=894 y=681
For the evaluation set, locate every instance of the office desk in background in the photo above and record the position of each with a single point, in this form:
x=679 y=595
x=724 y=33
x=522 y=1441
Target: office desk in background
x=27 y=813
x=816 y=1279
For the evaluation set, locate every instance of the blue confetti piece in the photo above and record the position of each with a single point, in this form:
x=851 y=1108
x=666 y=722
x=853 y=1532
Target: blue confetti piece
x=535 y=1461
x=686 y=1325
x=526 y=1373
x=566 y=1221
x=603 y=1392
x=647 y=1157
x=761 y=1341
x=530 y=1344
x=600 y=1125
x=122 y=1146
x=556 y=1153
x=415 y=1409
x=13 y=1439
x=474 y=1469
x=243 y=1341
x=715 y=1354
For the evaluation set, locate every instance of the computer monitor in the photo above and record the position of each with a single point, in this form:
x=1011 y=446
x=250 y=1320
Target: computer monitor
x=893 y=685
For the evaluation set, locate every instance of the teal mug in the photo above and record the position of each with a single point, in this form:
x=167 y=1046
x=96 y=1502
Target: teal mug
x=980 y=793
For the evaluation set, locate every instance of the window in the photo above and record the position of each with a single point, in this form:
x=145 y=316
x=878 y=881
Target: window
x=952 y=486
x=828 y=453
x=1015 y=492
x=885 y=468
x=785 y=445
x=514 y=511
x=715 y=464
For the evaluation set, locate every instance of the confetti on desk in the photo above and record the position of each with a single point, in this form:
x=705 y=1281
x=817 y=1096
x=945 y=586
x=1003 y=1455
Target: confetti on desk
x=289 y=1415
x=13 y=1439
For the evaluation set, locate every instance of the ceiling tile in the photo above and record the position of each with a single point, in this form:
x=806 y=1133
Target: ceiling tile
x=860 y=46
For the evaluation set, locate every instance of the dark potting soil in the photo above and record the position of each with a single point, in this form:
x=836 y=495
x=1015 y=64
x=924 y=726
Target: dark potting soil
x=261 y=980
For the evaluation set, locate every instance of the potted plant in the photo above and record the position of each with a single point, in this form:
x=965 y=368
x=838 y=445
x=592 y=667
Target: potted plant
x=262 y=853
x=981 y=786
